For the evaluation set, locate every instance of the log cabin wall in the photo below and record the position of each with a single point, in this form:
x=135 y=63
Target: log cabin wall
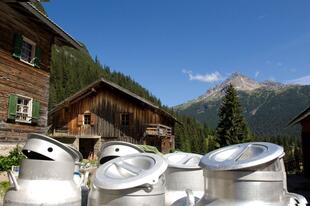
x=106 y=105
x=166 y=145
x=305 y=123
x=305 y=140
x=17 y=77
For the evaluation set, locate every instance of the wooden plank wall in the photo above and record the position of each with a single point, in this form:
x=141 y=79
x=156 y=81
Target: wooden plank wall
x=305 y=123
x=17 y=77
x=108 y=104
x=305 y=140
x=166 y=145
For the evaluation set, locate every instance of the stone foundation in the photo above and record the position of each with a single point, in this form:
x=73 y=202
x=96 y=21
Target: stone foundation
x=6 y=147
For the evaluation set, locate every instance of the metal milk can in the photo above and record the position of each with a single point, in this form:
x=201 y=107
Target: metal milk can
x=246 y=174
x=136 y=179
x=43 y=182
x=46 y=176
x=183 y=174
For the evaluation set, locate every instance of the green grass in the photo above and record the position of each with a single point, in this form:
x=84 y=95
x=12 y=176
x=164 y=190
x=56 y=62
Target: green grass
x=85 y=161
x=149 y=149
x=3 y=187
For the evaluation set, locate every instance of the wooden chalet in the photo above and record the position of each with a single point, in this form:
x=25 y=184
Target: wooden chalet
x=104 y=111
x=26 y=37
x=304 y=119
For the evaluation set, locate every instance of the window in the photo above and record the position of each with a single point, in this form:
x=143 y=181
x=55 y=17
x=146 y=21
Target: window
x=86 y=119
x=26 y=50
x=23 y=109
x=125 y=119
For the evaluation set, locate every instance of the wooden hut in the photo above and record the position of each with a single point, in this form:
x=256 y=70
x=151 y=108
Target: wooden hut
x=104 y=111
x=26 y=37
x=304 y=119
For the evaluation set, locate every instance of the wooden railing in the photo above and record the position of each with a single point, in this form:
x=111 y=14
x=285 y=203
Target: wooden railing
x=158 y=130
x=60 y=132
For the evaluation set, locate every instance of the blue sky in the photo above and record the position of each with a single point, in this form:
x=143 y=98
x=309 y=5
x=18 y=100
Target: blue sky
x=178 y=49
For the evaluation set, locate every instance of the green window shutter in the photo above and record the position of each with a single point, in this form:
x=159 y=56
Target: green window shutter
x=18 y=42
x=35 y=111
x=12 y=107
x=37 y=59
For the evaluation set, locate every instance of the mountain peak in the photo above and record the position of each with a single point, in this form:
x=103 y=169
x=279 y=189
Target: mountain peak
x=240 y=82
x=236 y=75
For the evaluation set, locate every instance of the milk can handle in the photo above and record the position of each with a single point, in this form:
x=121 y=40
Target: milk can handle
x=148 y=187
x=190 y=198
x=301 y=199
x=13 y=180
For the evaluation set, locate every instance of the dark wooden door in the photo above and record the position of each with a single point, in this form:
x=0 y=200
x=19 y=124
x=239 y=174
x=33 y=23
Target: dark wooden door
x=87 y=147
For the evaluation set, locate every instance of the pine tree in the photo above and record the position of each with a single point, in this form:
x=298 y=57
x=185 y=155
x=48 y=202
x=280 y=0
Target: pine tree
x=231 y=128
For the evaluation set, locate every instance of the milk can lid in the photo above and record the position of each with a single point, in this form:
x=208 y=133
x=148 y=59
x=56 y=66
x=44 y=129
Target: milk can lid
x=78 y=155
x=183 y=160
x=241 y=156
x=130 y=171
x=117 y=149
x=40 y=146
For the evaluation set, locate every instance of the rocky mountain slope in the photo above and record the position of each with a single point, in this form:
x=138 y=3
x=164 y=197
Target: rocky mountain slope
x=268 y=106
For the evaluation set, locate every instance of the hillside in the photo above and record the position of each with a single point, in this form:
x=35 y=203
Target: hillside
x=268 y=106
x=72 y=70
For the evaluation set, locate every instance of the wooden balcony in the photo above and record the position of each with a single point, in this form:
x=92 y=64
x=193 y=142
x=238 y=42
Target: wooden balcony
x=63 y=132
x=84 y=132
x=158 y=130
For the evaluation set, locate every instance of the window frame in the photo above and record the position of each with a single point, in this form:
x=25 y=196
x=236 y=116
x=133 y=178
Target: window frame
x=29 y=112
x=33 y=50
x=125 y=120
x=89 y=115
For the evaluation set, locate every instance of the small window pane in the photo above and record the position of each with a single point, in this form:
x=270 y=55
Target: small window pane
x=26 y=51
x=86 y=119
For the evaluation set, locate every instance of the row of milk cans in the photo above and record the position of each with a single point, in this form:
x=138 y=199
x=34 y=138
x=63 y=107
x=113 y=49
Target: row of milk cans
x=239 y=175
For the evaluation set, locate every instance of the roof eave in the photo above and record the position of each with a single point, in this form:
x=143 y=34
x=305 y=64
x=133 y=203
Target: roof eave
x=300 y=117
x=72 y=97
x=52 y=25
